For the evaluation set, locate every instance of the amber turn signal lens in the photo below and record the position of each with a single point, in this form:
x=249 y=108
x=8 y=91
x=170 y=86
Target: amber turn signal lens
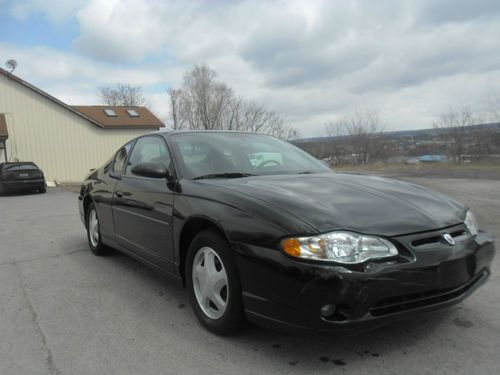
x=291 y=246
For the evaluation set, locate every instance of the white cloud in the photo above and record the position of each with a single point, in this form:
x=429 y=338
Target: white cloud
x=50 y=65
x=57 y=12
x=311 y=61
x=75 y=80
x=119 y=31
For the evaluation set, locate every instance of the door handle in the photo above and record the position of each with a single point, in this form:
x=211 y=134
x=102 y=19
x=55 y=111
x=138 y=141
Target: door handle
x=119 y=194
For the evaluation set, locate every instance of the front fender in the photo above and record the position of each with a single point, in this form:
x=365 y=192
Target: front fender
x=239 y=226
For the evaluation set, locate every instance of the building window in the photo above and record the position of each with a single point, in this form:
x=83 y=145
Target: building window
x=110 y=113
x=132 y=113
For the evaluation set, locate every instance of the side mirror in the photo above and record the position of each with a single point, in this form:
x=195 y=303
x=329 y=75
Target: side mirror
x=151 y=170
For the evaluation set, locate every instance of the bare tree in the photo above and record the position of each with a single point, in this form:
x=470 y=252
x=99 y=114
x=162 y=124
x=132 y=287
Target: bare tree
x=203 y=102
x=204 y=99
x=335 y=129
x=178 y=121
x=455 y=125
x=364 y=139
x=493 y=106
x=121 y=95
x=335 y=148
x=278 y=128
x=480 y=141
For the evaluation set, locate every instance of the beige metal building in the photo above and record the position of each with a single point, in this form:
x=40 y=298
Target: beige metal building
x=64 y=141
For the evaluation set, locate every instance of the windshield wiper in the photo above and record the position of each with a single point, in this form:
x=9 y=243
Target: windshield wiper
x=224 y=175
x=305 y=172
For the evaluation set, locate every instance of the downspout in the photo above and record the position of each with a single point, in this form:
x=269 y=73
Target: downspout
x=13 y=147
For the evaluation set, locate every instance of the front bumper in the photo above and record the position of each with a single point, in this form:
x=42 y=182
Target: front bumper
x=281 y=292
x=81 y=209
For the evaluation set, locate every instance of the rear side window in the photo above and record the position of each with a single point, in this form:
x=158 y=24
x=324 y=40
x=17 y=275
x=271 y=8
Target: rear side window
x=149 y=150
x=121 y=158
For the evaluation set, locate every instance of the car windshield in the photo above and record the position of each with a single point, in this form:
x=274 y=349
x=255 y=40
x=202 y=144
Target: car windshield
x=19 y=167
x=232 y=155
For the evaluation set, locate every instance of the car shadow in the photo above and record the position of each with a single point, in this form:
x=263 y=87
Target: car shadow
x=292 y=349
x=340 y=349
x=19 y=193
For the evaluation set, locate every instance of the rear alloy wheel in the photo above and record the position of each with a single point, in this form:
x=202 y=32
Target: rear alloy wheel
x=93 y=232
x=213 y=284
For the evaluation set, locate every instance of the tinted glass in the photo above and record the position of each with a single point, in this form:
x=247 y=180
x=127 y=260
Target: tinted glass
x=120 y=158
x=150 y=150
x=19 y=167
x=215 y=153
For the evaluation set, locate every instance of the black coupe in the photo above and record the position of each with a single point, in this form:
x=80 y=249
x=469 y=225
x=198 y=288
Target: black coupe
x=258 y=230
x=20 y=177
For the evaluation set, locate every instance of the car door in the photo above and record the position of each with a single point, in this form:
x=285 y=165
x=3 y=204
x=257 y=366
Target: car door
x=143 y=207
x=104 y=186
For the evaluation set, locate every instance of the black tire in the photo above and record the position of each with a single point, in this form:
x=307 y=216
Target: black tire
x=42 y=189
x=2 y=189
x=98 y=248
x=233 y=318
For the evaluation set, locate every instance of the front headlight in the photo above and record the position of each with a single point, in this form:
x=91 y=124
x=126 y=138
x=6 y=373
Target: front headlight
x=471 y=223
x=340 y=247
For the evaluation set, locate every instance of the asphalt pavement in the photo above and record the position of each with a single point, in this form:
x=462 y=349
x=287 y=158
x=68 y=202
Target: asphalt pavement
x=65 y=311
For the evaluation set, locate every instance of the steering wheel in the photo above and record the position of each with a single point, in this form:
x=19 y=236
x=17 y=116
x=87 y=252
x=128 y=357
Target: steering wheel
x=266 y=162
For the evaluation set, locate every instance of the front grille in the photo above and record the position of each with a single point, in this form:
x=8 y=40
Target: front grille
x=436 y=239
x=410 y=302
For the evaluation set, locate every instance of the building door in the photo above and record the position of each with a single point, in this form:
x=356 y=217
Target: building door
x=3 y=152
x=4 y=134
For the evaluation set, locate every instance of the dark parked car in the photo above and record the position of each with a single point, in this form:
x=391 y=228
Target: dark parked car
x=258 y=230
x=21 y=176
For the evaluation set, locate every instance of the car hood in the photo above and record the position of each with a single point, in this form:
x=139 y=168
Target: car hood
x=367 y=204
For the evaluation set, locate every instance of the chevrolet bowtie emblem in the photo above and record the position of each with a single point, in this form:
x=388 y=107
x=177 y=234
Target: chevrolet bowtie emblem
x=448 y=238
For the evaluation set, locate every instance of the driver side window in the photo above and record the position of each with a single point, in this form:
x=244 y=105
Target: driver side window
x=120 y=158
x=149 y=150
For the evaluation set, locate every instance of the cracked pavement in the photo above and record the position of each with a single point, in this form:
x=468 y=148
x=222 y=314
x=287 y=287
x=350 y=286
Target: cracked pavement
x=65 y=311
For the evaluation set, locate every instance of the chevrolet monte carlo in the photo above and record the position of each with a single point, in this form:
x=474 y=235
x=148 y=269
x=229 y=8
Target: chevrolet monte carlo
x=258 y=230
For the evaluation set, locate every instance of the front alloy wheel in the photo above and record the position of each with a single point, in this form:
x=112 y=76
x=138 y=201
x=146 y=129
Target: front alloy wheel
x=210 y=282
x=213 y=284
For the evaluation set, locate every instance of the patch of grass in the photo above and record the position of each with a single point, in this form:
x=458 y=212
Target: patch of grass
x=482 y=170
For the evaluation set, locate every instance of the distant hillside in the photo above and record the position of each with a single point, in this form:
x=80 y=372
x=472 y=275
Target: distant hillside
x=480 y=142
x=415 y=134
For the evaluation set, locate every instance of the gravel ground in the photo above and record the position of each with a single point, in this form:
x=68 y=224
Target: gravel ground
x=65 y=311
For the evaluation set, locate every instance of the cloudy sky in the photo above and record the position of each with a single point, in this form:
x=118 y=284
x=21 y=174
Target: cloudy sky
x=311 y=61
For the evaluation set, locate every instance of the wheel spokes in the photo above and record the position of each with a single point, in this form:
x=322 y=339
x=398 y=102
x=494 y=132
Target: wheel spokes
x=217 y=300
x=210 y=282
x=93 y=228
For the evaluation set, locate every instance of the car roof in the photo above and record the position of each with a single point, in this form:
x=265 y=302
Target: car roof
x=11 y=163
x=206 y=131
x=17 y=163
x=168 y=133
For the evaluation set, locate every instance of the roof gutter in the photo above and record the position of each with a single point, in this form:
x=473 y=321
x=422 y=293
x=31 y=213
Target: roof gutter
x=48 y=96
